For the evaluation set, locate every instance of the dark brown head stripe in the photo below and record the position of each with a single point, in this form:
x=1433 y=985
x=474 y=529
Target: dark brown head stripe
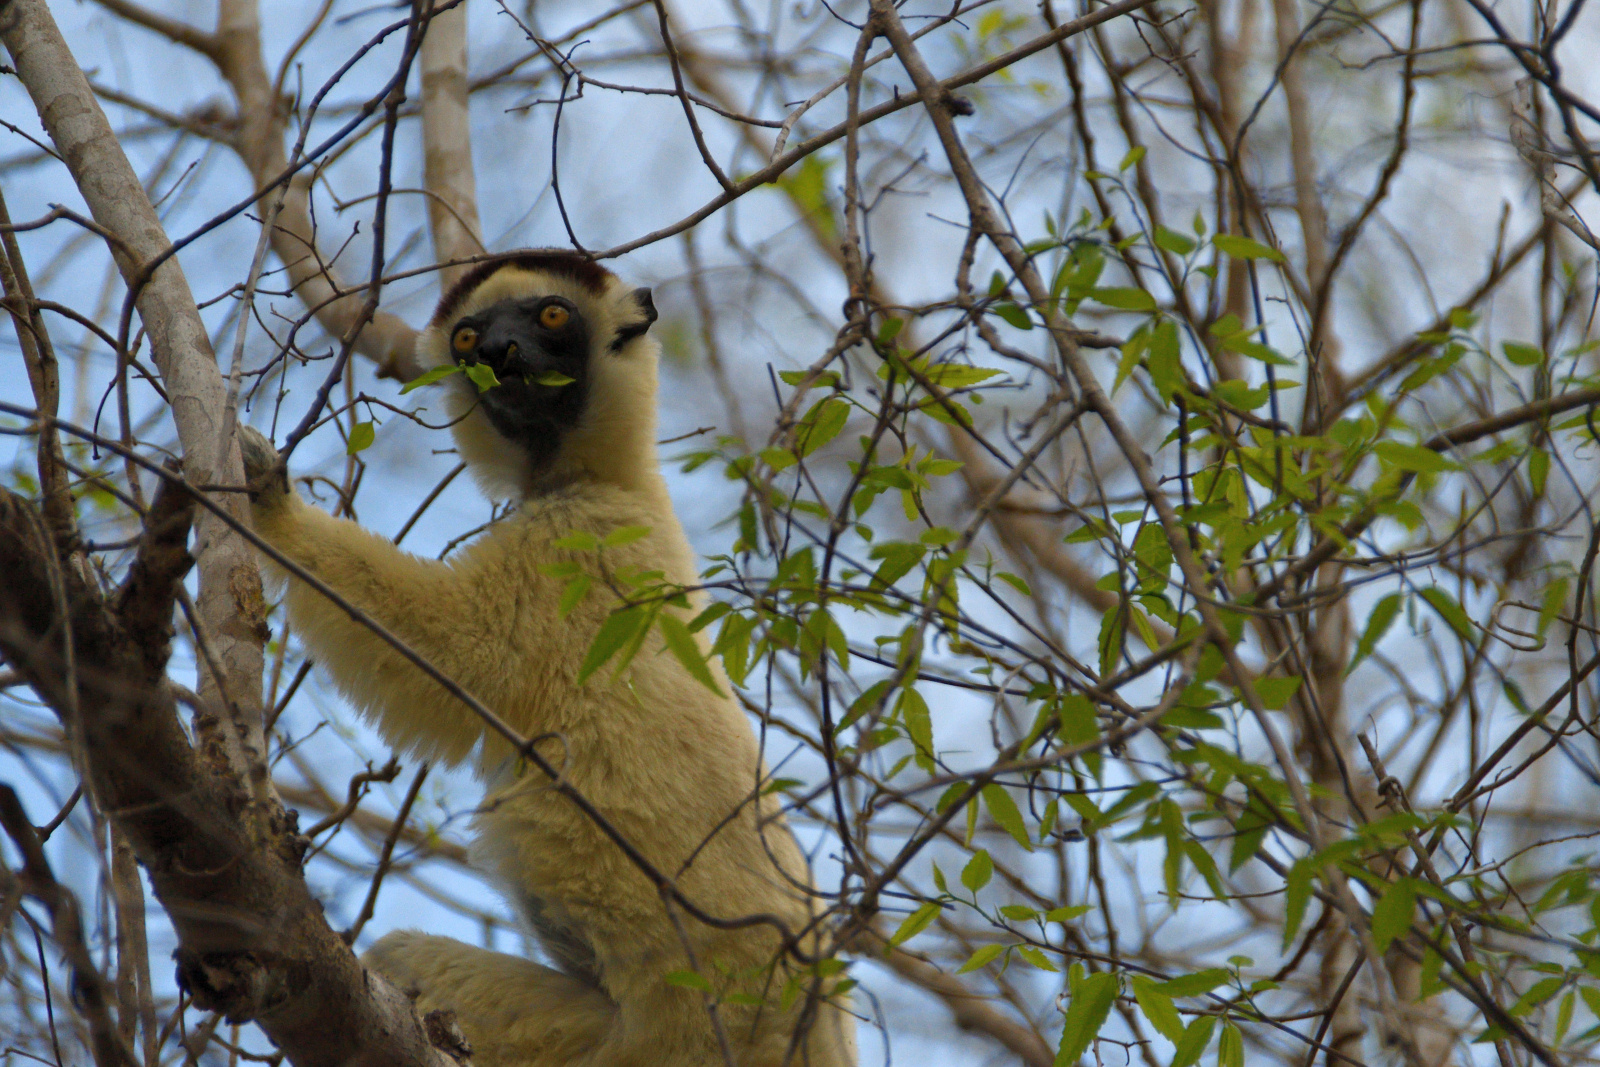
x=581 y=269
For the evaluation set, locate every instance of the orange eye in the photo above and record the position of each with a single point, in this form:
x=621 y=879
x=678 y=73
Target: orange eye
x=464 y=340
x=554 y=316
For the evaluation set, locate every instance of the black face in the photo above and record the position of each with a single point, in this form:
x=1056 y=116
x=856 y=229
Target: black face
x=531 y=345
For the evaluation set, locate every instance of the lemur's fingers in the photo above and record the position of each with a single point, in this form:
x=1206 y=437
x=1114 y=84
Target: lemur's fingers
x=261 y=470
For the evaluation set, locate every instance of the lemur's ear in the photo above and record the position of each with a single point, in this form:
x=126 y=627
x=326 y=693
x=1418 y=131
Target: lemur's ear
x=641 y=297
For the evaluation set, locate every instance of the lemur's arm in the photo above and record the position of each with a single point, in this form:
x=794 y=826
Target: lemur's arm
x=433 y=607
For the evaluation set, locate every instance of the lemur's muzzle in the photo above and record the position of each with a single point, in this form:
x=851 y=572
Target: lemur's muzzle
x=513 y=351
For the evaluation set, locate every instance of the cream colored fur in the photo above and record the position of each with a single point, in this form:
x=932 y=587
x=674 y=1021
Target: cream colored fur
x=670 y=764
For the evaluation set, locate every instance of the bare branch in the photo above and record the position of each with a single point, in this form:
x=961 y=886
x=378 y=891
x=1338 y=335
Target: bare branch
x=447 y=144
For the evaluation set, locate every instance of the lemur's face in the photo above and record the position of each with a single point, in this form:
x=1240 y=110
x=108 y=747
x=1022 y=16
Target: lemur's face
x=538 y=348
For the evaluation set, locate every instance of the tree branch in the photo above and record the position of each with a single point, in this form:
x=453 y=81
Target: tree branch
x=252 y=941
x=91 y=992
x=230 y=586
x=447 y=144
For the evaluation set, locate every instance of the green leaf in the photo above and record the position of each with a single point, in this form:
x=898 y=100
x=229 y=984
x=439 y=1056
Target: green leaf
x=620 y=628
x=1090 y=1004
x=808 y=186
x=689 y=980
x=898 y=559
x=573 y=594
x=1392 y=914
x=430 y=377
x=1079 y=723
x=959 y=375
x=1538 y=470
x=1037 y=958
x=864 y=703
x=913 y=712
x=823 y=379
x=1296 y=896
x=1412 y=457
x=1014 y=582
x=1193 y=985
x=833 y=636
x=1555 y=598
x=948 y=411
x=1014 y=315
x=1132 y=350
x=821 y=425
x=716 y=611
x=1522 y=355
x=1166 y=366
x=1241 y=395
x=1003 y=810
x=1230 y=1047
x=979 y=869
x=1124 y=298
x=1275 y=693
x=681 y=643
x=778 y=458
x=624 y=535
x=1135 y=154
x=1194 y=1041
x=1078 y=273
x=1564 y=1016
x=1207 y=867
x=1249 y=832
x=1111 y=629
x=981 y=958
x=1430 y=369
x=915 y=923
x=1446 y=606
x=1489 y=1035
x=1383 y=614
x=581 y=541
x=1537 y=994
x=1157 y=1007
x=482 y=375
x=553 y=378
x=1173 y=241
x=362 y=434
x=1246 y=248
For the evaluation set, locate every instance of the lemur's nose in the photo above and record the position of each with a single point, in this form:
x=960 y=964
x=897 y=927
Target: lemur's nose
x=509 y=350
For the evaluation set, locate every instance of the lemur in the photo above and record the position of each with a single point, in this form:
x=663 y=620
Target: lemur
x=570 y=431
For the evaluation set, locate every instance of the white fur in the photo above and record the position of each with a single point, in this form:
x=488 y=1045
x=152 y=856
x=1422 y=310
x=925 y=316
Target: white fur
x=669 y=763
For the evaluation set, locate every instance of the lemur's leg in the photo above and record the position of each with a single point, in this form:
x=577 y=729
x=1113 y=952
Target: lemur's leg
x=439 y=610
x=514 y=1012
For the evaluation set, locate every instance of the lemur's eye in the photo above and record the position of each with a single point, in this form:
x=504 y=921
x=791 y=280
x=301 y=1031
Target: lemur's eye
x=554 y=316
x=464 y=340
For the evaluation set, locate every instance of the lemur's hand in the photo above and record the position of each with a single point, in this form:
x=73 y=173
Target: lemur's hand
x=269 y=484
